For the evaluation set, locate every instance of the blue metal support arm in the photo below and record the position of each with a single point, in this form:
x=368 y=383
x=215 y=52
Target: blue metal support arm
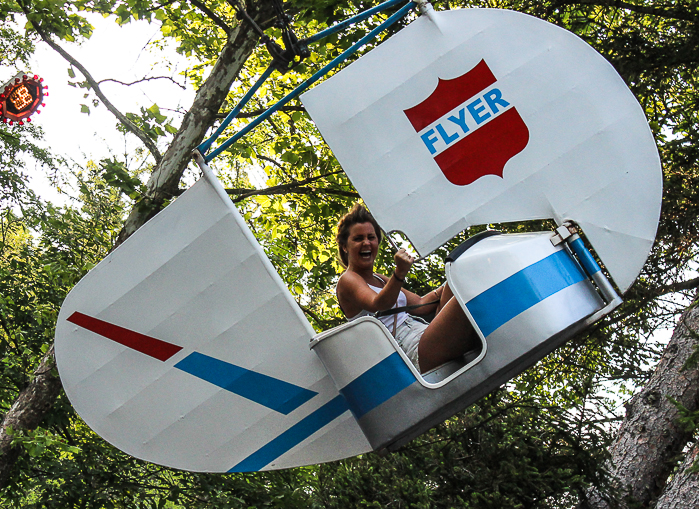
x=350 y=21
x=303 y=86
x=207 y=144
x=593 y=270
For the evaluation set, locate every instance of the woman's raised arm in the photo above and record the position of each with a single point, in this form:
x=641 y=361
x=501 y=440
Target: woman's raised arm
x=355 y=295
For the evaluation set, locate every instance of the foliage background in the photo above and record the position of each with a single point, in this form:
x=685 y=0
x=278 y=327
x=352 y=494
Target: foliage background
x=540 y=441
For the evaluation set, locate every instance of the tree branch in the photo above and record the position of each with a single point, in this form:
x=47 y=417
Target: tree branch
x=690 y=284
x=141 y=80
x=95 y=86
x=303 y=182
x=326 y=324
x=622 y=314
x=212 y=15
x=6 y=327
x=292 y=187
x=640 y=9
x=298 y=190
x=159 y=6
x=269 y=160
x=258 y=112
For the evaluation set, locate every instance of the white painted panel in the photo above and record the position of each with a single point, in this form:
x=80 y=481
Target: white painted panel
x=195 y=277
x=590 y=156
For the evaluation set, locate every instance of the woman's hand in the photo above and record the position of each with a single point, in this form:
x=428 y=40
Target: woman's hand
x=403 y=263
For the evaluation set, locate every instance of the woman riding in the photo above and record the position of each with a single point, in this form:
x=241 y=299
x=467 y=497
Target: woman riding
x=360 y=292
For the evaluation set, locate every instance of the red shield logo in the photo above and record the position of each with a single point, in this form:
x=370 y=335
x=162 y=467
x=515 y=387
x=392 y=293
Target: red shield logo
x=467 y=125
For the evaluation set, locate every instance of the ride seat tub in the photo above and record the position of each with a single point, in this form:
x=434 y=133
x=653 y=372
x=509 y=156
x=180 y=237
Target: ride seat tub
x=524 y=297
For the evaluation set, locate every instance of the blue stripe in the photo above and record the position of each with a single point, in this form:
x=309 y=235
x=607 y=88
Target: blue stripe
x=378 y=384
x=293 y=436
x=265 y=390
x=522 y=290
x=586 y=259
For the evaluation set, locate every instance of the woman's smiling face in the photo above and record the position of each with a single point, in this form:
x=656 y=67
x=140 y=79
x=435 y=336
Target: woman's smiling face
x=362 y=245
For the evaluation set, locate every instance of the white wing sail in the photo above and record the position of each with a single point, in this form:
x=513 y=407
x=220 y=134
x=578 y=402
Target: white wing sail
x=478 y=116
x=183 y=347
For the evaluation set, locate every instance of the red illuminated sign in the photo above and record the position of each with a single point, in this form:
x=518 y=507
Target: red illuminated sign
x=21 y=97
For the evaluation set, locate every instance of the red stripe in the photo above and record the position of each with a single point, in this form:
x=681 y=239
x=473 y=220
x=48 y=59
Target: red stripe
x=161 y=350
x=449 y=94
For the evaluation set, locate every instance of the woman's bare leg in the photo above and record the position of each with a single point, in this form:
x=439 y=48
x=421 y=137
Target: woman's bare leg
x=448 y=336
x=444 y=298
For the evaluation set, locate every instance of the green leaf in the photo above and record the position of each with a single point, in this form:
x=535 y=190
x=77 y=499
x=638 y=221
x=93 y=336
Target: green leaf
x=155 y=113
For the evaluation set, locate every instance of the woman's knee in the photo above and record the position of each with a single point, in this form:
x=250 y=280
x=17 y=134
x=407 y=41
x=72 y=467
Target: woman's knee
x=449 y=335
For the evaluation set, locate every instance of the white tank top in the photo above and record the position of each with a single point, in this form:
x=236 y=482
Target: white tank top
x=389 y=320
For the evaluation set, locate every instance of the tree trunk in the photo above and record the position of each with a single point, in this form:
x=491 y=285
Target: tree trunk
x=36 y=400
x=650 y=439
x=683 y=491
x=164 y=181
x=28 y=411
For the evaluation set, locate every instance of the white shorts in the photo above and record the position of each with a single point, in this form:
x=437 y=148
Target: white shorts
x=408 y=336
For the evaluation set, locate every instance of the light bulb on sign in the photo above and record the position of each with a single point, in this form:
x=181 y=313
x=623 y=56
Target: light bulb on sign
x=21 y=97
